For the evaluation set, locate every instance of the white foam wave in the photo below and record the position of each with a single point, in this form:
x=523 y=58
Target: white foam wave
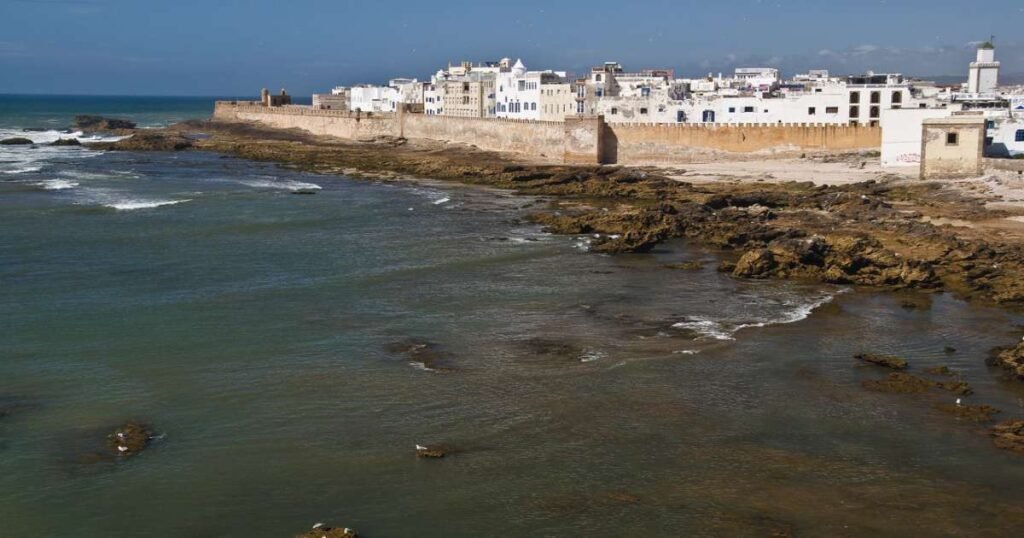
x=442 y=200
x=131 y=205
x=287 y=185
x=591 y=356
x=25 y=170
x=52 y=135
x=686 y=352
x=726 y=329
x=57 y=184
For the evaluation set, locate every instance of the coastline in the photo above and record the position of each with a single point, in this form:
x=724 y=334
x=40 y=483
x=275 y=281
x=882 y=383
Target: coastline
x=890 y=234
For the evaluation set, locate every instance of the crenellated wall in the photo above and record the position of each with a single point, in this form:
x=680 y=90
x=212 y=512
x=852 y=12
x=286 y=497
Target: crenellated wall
x=583 y=140
x=674 y=143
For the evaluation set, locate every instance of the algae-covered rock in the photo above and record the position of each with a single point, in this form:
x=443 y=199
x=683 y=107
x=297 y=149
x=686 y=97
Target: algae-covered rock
x=99 y=123
x=129 y=439
x=66 y=142
x=898 y=383
x=322 y=531
x=976 y=413
x=1009 y=435
x=1010 y=359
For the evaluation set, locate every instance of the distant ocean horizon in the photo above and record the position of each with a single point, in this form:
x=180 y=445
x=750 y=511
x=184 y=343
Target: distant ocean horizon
x=38 y=111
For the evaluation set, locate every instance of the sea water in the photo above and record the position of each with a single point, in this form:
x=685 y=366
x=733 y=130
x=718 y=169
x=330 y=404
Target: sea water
x=251 y=326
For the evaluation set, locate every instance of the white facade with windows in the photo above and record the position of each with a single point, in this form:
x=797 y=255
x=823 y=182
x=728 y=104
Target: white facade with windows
x=532 y=95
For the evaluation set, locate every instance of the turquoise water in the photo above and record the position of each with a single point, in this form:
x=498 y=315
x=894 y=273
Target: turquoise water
x=252 y=326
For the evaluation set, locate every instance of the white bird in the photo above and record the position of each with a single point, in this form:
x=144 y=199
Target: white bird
x=120 y=435
x=121 y=448
x=420 y=447
x=958 y=402
x=318 y=525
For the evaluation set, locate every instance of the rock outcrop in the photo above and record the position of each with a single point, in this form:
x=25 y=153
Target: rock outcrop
x=321 y=531
x=148 y=142
x=1009 y=435
x=66 y=142
x=974 y=413
x=99 y=123
x=1010 y=359
x=16 y=141
x=129 y=439
x=898 y=383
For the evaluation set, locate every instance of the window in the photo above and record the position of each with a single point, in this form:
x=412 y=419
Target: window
x=922 y=105
x=817 y=90
x=643 y=111
x=708 y=116
x=854 y=97
x=533 y=106
x=465 y=86
x=600 y=92
x=645 y=92
x=748 y=109
x=876 y=97
x=831 y=110
x=614 y=111
x=990 y=124
x=811 y=111
x=952 y=139
x=988 y=140
x=874 y=112
x=854 y=111
x=732 y=109
x=597 y=78
x=897 y=97
x=1019 y=136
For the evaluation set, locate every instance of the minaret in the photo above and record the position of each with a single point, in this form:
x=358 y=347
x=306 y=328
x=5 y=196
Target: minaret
x=983 y=75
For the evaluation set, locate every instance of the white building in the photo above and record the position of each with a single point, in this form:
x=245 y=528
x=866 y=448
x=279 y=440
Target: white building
x=378 y=99
x=533 y=95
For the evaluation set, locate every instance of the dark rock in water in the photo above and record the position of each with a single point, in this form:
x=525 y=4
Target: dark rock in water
x=16 y=141
x=976 y=413
x=939 y=370
x=547 y=348
x=129 y=439
x=898 y=383
x=433 y=451
x=1010 y=359
x=66 y=142
x=304 y=191
x=1009 y=435
x=888 y=361
x=686 y=266
x=99 y=123
x=148 y=142
x=426 y=354
x=34 y=130
x=956 y=387
x=949 y=350
x=321 y=531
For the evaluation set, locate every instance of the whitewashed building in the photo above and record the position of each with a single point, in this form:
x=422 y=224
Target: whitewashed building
x=533 y=95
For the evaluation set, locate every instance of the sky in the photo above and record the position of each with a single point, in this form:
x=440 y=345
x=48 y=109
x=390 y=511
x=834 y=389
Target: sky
x=236 y=47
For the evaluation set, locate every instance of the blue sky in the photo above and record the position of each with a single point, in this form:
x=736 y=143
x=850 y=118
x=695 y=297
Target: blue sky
x=234 y=47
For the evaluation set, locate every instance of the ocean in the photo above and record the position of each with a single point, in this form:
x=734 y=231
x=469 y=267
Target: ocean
x=585 y=395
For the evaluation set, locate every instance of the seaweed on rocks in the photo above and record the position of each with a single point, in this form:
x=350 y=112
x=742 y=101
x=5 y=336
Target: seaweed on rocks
x=1009 y=359
x=898 y=383
x=1009 y=435
x=887 y=361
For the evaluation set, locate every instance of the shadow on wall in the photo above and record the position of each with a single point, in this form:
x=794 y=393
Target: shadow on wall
x=610 y=145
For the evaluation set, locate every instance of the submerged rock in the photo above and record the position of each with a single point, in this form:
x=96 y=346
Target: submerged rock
x=99 y=123
x=66 y=142
x=686 y=266
x=940 y=370
x=956 y=387
x=1009 y=435
x=1010 y=359
x=129 y=439
x=16 y=141
x=888 y=361
x=976 y=413
x=425 y=354
x=321 y=531
x=433 y=451
x=898 y=383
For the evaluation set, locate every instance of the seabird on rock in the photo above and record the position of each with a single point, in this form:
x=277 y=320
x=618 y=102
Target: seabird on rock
x=318 y=525
x=958 y=402
x=120 y=435
x=122 y=448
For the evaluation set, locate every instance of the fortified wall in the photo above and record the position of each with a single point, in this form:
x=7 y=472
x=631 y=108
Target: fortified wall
x=581 y=140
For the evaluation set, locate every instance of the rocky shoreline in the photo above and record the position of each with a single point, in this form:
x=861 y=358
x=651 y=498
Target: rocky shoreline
x=880 y=234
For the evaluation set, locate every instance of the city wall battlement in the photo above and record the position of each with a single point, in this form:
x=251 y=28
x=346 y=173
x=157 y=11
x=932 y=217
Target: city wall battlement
x=578 y=140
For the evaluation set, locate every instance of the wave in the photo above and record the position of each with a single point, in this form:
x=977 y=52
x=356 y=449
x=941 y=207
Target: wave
x=25 y=170
x=591 y=356
x=287 y=185
x=52 y=135
x=442 y=200
x=57 y=184
x=726 y=329
x=131 y=205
